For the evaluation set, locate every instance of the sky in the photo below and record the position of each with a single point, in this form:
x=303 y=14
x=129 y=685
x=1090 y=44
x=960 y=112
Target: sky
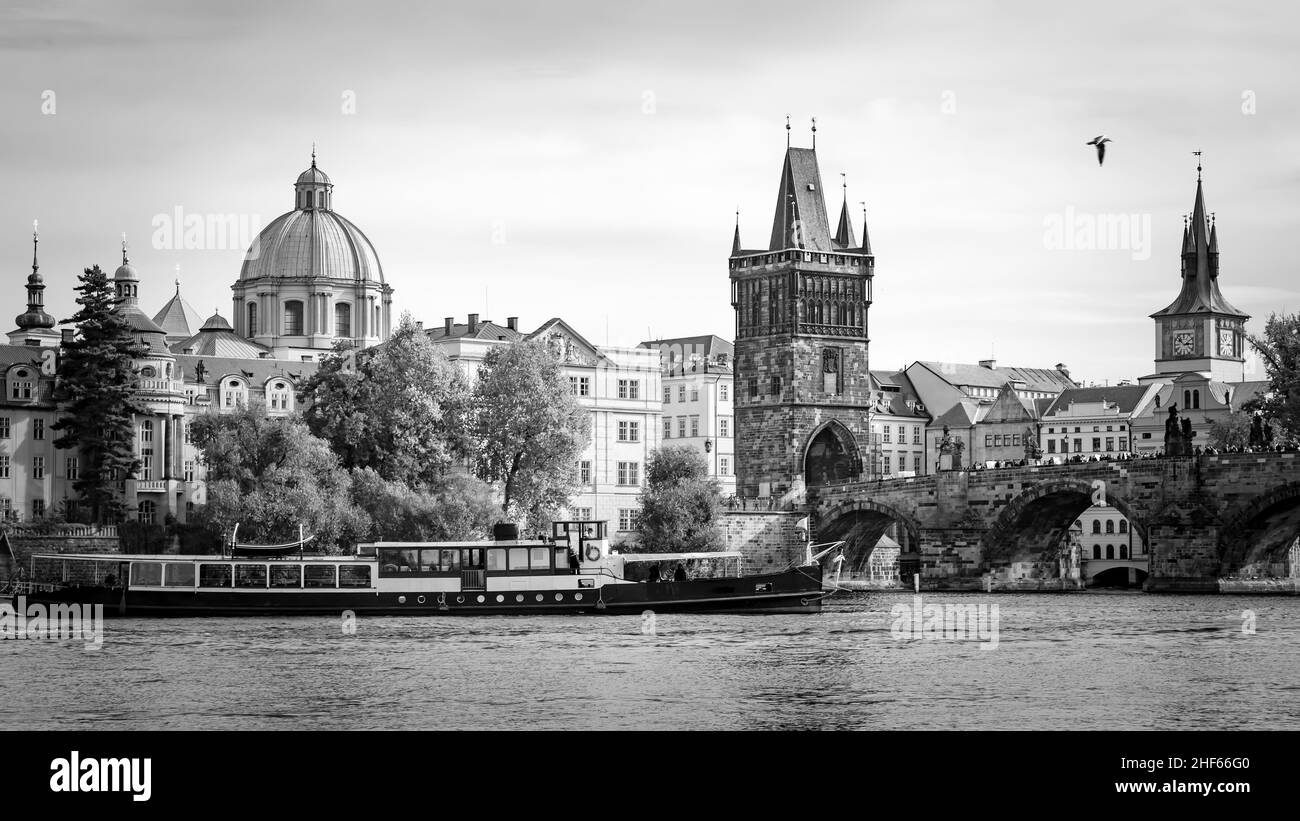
x=586 y=160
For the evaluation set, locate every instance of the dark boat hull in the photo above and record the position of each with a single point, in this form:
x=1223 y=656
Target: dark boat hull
x=795 y=591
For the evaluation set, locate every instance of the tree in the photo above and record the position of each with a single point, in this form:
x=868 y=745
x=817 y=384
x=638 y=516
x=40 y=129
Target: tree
x=528 y=429
x=96 y=393
x=1233 y=431
x=270 y=475
x=398 y=408
x=680 y=504
x=1279 y=347
x=458 y=507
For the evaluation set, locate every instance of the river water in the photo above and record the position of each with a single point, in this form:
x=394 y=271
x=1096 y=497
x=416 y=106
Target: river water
x=1095 y=660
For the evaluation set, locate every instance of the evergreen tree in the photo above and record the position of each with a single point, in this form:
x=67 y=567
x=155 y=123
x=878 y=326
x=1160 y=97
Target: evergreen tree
x=1279 y=347
x=96 y=393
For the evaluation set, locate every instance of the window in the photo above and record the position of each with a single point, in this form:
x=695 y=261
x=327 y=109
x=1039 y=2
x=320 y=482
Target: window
x=629 y=431
x=1051 y=446
x=1065 y=446
x=6 y=506
x=354 y=575
x=1123 y=551
x=232 y=393
x=629 y=473
x=988 y=440
x=1096 y=525
x=776 y=386
x=1110 y=526
x=582 y=513
x=189 y=471
x=629 y=389
x=668 y=394
x=251 y=330
x=1123 y=525
x=1196 y=399
x=916 y=463
x=887 y=434
x=997 y=440
x=1110 y=443
x=38 y=508
x=146 y=464
x=580 y=385
x=4 y=467
x=147 y=574
x=148 y=511
x=1110 y=551
x=146 y=432
x=292 y=319
x=286 y=576
x=584 y=472
x=38 y=428
x=518 y=558
x=626 y=518
x=71 y=467
x=38 y=467
x=1123 y=443
x=889 y=465
x=681 y=427
x=724 y=465
x=318 y=576
x=695 y=426
x=4 y=427
x=250 y=575
x=681 y=393
x=695 y=394
x=668 y=427
x=724 y=426
x=723 y=390
x=753 y=388
x=1078 y=445
x=343 y=319
x=1096 y=551
x=916 y=434
x=1096 y=444
x=178 y=575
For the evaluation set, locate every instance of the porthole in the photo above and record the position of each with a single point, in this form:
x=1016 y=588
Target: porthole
x=559 y=597
x=540 y=597
x=577 y=597
x=500 y=597
x=481 y=599
x=420 y=600
x=401 y=600
x=519 y=597
x=460 y=600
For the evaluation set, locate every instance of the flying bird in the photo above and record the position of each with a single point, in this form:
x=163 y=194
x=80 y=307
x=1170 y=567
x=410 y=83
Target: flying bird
x=1100 y=141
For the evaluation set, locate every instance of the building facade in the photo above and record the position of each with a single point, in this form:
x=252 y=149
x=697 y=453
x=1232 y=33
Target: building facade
x=699 y=401
x=801 y=368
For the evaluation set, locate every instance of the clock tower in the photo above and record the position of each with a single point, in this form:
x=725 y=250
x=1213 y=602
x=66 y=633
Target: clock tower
x=1200 y=331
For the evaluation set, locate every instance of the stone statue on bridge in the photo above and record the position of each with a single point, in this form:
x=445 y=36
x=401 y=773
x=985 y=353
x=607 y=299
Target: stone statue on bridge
x=1178 y=434
x=1033 y=452
x=950 y=448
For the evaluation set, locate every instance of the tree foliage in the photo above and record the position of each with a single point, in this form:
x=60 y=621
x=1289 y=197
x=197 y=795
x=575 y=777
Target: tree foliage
x=1231 y=431
x=680 y=504
x=1279 y=347
x=528 y=429
x=270 y=475
x=398 y=409
x=458 y=507
x=96 y=393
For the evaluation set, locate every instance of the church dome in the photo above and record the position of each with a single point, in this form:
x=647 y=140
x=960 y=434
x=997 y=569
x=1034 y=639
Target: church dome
x=312 y=241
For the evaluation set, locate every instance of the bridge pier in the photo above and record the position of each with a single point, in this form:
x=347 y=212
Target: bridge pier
x=951 y=558
x=1184 y=558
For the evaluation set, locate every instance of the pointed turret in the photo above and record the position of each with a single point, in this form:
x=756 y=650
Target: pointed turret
x=35 y=323
x=1200 y=292
x=735 y=240
x=844 y=231
x=800 y=220
x=866 y=238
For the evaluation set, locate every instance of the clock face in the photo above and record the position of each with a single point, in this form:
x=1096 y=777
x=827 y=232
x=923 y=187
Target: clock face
x=1184 y=342
x=1226 y=346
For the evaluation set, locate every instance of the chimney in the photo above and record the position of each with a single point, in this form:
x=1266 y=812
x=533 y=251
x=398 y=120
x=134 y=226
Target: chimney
x=447 y=325
x=473 y=323
x=67 y=335
x=512 y=322
x=1062 y=370
x=991 y=364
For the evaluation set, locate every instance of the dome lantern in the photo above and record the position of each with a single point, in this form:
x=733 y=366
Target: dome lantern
x=313 y=190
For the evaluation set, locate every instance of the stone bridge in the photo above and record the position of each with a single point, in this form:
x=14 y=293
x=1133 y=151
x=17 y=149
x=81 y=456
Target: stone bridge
x=1203 y=518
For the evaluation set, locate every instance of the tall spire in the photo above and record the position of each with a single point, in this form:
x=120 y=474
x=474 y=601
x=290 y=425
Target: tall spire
x=866 y=239
x=735 y=241
x=35 y=317
x=844 y=232
x=814 y=133
x=787 y=131
x=1200 y=262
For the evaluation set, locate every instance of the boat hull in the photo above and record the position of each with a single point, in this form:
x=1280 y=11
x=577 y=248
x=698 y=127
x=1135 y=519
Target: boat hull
x=795 y=591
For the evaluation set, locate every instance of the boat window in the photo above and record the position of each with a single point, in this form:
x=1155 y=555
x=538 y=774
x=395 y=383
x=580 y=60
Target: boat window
x=408 y=561
x=250 y=575
x=429 y=561
x=146 y=573
x=286 y=576
x=180 y=575
x=214 y=575
x=354 y=575
x=561 y=558
x=319 y=575
x=474 y=557
x=518 y=558
x=450 y=561
x=496 y=558
x=541 y=558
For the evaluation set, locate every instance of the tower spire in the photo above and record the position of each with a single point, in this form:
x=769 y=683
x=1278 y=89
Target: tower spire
x=866 y=239
x=35 y=318
x=787 y=131
x=313 y=154
x=36 y=239
x=814 y=133
x=124 y=259
x=844 y=232
x=735 y=241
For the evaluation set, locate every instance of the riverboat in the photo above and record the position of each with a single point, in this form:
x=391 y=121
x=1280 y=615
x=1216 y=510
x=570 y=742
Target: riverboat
x=573 y=571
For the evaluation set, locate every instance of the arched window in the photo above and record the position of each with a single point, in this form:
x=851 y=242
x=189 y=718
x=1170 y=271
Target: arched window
x=251 y=330
x=1123 y=551
x=1157 y=400
x=1187 y=399
x=1096 y=525
x=1196 y=399
x=293 y=318
x=1110 y=526
x=148 y=511
x=1110 y=551
x=343 y=319
x=1096 y=551
x=233 y=394
x=279 y=395
x=1123 y=525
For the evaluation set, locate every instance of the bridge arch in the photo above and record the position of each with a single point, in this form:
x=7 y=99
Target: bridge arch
x=831 y=455
x=1258 y=532
x=861 y=523
x=1032 y=525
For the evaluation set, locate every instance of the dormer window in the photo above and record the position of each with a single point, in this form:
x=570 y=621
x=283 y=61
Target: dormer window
x=234 y=394
x=22 y=384
x=148 y=372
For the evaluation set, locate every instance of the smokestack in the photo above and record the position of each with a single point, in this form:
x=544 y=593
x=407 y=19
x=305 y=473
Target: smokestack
x=473 y=323
x=447 y=325
x=512 y=322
